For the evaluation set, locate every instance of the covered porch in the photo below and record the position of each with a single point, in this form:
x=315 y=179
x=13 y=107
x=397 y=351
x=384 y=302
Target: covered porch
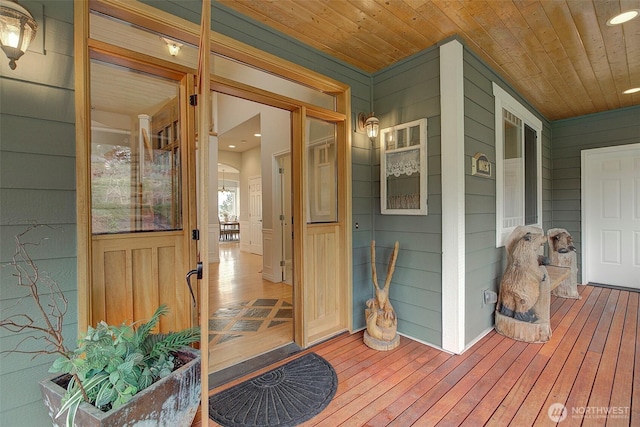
x=588 y=367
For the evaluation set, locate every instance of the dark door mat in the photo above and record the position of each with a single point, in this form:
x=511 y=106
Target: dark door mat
x=285 y=396
x=241 y=369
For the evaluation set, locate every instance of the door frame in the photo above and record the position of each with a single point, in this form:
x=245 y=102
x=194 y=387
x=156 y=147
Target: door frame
x=149 y=17
x=584 y=194
x=279 y=241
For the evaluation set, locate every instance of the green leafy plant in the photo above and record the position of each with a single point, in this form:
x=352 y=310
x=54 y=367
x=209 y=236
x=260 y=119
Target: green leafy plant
x=113 y=363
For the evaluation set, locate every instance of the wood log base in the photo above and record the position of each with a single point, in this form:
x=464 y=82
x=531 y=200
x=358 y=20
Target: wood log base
x=537 y=332
x=377 y=344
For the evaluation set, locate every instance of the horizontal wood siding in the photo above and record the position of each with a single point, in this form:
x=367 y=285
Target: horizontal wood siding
x=407 y=91
x=570 y=137
x=37 y=184
x=484 y=262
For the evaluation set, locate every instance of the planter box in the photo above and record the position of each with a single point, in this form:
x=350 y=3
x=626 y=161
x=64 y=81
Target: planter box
x=170 y=401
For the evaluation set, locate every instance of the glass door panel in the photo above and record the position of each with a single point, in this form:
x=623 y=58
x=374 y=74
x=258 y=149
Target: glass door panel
x=322 y=190
x=135 y=151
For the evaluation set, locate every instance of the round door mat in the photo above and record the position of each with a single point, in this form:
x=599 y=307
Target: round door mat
x=285 y=396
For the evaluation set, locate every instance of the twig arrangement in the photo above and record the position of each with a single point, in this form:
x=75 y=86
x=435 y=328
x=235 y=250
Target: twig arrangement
x=50 y=303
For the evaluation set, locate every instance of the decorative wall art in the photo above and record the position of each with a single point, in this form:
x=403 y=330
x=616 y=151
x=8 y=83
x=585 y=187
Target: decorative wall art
x=403 y=169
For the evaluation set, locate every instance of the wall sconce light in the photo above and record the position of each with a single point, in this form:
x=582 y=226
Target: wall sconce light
x=174 y=46
x=17 y=30
x=370 y=124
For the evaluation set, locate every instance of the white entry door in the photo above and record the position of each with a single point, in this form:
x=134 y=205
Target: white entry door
x=255 y=215
x=611 y=215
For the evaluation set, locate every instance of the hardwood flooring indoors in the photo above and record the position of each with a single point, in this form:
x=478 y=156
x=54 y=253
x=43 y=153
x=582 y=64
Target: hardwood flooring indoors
x=590 y=367
x=249 y=315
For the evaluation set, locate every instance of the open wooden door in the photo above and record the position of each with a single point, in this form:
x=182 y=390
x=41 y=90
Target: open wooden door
x=143 y=198
x=323 y=221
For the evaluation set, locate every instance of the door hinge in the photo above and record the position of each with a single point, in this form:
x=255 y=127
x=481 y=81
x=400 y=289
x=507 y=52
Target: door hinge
x=281 y=170
x=282 y=263
x=281 y=217
x=193 y=100
x=195 y=234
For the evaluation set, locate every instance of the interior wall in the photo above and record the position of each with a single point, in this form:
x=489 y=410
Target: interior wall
x=251 y=167
x=37 y=184
x=230 y=158
x=275 y=127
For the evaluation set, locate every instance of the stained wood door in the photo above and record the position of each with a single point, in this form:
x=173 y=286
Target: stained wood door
x=141 y=244
x=322 y=181
x=611 y=200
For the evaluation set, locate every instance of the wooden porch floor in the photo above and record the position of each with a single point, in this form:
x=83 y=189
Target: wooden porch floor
x=589 y=366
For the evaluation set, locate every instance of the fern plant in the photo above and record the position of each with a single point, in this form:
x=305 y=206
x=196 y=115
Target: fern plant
x=113 y=363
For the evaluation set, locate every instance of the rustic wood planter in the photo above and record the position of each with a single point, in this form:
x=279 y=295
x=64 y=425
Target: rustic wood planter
x=170 y=401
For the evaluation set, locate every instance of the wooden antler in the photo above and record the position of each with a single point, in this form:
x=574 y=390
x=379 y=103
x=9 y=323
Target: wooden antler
x=374 y=275
x=392 y=266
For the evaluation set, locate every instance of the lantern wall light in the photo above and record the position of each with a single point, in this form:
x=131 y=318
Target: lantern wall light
x=17 y=30
x=370 y=124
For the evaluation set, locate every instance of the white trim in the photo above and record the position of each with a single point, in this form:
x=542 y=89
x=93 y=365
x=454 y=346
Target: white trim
x=424 y=171
x=506 y=101
x=270 y=262
x=584 y=155
x=214 y=238
x=453 y=206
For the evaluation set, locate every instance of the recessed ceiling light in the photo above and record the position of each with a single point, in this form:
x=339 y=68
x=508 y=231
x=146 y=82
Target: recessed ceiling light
x=623 y=17
x=632 y=90
x=257 y=134
x=232 y=146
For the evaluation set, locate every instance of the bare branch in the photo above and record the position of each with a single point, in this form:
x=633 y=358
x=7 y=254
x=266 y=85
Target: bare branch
x=46 y=321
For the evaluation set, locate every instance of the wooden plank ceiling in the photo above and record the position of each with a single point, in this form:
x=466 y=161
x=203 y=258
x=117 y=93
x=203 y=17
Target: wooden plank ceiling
x=560 y=55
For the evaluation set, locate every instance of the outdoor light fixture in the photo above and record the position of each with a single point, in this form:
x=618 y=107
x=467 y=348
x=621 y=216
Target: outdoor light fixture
x=370 y=124
x=17 y=30
x=623 y=17
x=174 y=46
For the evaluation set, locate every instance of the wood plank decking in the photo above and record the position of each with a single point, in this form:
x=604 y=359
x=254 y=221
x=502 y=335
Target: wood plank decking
x=589 y=366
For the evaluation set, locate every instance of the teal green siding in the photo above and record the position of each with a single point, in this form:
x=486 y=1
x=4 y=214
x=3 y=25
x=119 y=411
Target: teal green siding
x=410 y=90
x=37 y=184
x=570 y=137
x=484 y=262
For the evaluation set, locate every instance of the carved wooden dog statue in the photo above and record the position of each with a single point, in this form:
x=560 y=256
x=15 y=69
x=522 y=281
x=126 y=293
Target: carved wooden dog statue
x=562 y=253
x=520 y=284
